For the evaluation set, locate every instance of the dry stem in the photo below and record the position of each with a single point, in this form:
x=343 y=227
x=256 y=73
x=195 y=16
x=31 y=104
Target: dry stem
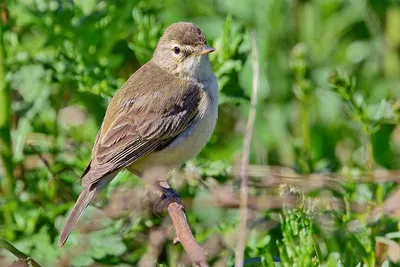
x=245 y=157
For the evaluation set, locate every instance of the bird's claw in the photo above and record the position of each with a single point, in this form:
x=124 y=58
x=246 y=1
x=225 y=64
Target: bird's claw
x=168 y=196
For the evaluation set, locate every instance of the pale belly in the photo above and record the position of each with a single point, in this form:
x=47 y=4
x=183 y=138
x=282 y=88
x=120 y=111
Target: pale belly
x=187 y=145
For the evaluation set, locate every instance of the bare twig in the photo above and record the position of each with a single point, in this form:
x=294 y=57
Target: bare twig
x=279 y=175
x=224 y=197
x=23 y=259
x=245 y=157
x=212 y=248
x=184 y=234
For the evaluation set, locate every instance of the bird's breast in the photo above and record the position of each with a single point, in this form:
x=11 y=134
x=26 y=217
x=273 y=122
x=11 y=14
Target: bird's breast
x=190 y=142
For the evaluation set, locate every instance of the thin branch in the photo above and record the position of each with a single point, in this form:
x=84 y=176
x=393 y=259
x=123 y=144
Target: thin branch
x=22 y=257
x=278 y=175
x=184 y=234
x=246 y=155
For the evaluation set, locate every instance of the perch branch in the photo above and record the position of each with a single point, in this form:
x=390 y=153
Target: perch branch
x=244 y=164
x=184 y=234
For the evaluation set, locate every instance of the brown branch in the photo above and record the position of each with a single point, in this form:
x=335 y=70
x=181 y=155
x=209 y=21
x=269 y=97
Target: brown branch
x=184 y=234
x=23 y=259
x=212 y=248
x=244 y=164
x=280 y=175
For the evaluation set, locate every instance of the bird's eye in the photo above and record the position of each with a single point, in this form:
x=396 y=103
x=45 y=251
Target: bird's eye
x=177 y=50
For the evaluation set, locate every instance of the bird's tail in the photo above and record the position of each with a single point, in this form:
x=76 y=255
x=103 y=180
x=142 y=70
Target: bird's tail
x=88 y=193
x=83 y=201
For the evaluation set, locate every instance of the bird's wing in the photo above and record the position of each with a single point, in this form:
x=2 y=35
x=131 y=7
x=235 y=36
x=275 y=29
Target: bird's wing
x=142 y=124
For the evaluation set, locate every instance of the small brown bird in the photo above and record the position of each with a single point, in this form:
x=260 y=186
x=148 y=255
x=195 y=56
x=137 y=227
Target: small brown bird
x=162 y=116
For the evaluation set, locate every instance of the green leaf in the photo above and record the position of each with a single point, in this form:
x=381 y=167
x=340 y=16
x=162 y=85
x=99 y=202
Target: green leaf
x=87 y=6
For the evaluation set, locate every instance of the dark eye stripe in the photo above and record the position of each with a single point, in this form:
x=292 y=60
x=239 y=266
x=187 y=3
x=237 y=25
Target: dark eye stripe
x=186 y=52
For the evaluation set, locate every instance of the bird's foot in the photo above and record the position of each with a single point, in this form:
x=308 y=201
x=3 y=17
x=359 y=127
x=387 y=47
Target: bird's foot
x=168 y=196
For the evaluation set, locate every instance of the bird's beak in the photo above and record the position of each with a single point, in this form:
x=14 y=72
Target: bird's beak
x=205 y=50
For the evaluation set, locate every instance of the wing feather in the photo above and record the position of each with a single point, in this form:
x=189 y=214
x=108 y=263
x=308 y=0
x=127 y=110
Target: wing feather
x=138 y=129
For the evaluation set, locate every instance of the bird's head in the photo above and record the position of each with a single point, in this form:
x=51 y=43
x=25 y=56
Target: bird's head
x=183 y=50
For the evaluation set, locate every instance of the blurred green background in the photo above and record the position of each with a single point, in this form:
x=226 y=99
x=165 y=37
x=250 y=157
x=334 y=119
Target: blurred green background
x=328 y=112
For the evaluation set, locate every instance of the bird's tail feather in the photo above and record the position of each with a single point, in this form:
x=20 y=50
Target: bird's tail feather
x=88 y=193
x=83 y=201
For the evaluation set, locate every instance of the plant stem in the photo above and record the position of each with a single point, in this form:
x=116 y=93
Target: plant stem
x=302 y=89
x=370 y=153
x=305 y=132
x=17 y=253
x=305 y=125
x=244 y=188
x=5 y=125
x=365 y=127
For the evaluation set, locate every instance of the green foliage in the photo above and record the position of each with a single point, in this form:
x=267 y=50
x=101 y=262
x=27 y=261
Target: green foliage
x=98 y=244
x=296 y=248
x=146 y=34
x=328 y=103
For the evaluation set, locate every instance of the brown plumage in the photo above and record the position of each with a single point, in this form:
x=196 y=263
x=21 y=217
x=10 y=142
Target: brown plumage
x=163 y=115
x=132 y=128
x=185 y=32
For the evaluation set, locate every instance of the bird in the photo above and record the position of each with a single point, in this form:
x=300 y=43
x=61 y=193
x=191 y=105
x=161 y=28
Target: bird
x=162 y=116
